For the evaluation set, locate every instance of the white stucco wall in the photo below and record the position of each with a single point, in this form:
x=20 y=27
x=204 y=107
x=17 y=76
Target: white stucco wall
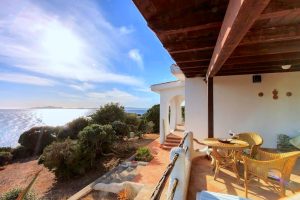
x=196 y=107
x=237 y=106
x=171 y=94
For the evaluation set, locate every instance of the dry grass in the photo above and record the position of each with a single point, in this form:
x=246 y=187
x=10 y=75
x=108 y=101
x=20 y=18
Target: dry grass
x=19 y=174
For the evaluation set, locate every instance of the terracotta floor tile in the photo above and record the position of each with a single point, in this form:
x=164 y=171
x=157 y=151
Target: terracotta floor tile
x=202 y=179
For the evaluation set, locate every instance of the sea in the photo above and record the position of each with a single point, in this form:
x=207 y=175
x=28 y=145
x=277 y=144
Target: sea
x=13 y=122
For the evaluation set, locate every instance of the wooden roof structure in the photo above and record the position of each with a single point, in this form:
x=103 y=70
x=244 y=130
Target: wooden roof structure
x=208 y=38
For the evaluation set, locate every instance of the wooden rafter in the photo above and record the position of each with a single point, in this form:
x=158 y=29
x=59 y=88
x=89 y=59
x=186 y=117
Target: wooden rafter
x=190 y=29
x=239 y=18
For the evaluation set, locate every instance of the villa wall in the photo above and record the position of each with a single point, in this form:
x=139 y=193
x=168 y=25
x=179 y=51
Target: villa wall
x=171 y=94
x=238 y=107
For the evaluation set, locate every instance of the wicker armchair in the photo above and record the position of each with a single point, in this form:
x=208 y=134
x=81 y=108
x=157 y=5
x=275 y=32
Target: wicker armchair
x=253 y=139
x=273 y=168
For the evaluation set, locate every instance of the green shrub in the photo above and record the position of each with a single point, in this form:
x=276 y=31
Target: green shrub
x=143 y=154
x=109 y=113
x=63 y=158
x=37 y=138
x=95 y=139
x=146 y=127
x=20 y=152
x=5 y=157
x=6 y=149
x=13 y=194
x=152 y=114
x=121 y=129
x=73 y=128
x=132 y=120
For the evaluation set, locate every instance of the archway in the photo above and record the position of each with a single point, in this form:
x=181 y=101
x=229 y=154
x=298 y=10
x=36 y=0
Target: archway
x=175 y=112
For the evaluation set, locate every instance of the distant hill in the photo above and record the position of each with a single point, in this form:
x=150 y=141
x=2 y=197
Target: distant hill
x=47 y=107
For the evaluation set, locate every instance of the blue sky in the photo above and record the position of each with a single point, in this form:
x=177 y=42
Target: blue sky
x=76 y=53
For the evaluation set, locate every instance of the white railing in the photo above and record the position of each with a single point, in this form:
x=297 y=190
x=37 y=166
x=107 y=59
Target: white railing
x=182 y=168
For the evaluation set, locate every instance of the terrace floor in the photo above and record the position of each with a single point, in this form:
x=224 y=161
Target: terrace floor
x=201 y=178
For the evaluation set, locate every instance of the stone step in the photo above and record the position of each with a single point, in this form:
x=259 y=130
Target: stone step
x=175 y=137
x=172 y=141
x=171 y=144
x=167 y=148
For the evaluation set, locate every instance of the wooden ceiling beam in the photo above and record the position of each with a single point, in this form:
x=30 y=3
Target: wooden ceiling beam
x=267 y=48
x=192 y=56
x=258 y=71
x=262 y=58
x=213 y=25
x=194 y=64
x=262 y=64
x=183 y=14
x=279 y=5
x=272 y=34
x=280 y=13
x=239 y=17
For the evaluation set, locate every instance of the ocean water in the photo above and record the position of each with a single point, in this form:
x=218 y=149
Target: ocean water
x=14 y=122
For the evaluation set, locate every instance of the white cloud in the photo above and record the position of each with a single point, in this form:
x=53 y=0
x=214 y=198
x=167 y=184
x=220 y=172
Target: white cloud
x=114 y=95
x=135 y=55
x=26 y=79
x=126 y=30
x=143 y=89
x=118 y=96
x=76 y=43
x=82 y=87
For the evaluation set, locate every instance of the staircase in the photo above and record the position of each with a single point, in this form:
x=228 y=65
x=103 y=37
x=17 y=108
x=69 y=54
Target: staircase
x=174 y=139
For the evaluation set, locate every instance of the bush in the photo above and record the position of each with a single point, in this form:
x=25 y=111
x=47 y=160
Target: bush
x=132 y=120
x=143 y=154
x=20 y=152
x=5 y=158
x=109 y=113
x=73 y=128
x=121 y=129
x=146 y=127
x=153 y=115
x=95 y=139
x=63 y=158
x=37 y=138
x=13 y=194
x=6 y=149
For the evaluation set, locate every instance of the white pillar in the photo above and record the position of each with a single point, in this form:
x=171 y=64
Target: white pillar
x=164 y=126
x=179 y=100
x=173 y=114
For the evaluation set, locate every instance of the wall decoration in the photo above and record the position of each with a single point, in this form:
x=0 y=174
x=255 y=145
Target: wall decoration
x=275 y=94
x=288 y=94
x=260 y=94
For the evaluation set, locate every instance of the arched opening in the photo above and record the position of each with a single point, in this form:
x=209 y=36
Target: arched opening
x=176 y=112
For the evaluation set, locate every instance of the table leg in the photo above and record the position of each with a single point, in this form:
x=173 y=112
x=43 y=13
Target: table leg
x=235 y=163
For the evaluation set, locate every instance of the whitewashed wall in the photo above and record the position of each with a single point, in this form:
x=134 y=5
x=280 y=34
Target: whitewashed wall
x=171 y=94
x=237 y=106
x=196 y=107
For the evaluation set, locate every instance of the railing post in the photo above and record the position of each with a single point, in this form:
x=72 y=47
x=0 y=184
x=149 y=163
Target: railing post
x=179 y=173
x=189 y=142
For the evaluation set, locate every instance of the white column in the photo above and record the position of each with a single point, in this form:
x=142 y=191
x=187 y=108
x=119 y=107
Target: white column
x=164 y=126
x=173 y=114
x=179 y=100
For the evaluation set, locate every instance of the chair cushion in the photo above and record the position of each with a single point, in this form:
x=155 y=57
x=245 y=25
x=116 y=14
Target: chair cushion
x=274 y=175
x=205 y=195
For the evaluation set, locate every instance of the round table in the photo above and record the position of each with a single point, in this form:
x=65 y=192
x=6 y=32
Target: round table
x=225 y=154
